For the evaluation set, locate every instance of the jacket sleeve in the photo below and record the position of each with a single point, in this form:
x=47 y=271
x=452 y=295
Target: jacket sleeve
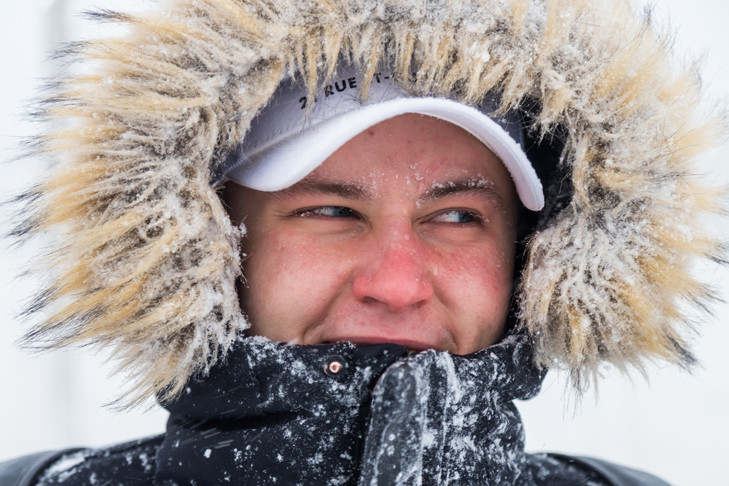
x=613 y=474
x=25 y=470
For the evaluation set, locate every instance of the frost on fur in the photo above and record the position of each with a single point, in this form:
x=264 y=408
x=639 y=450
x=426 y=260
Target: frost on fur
x=149 y=257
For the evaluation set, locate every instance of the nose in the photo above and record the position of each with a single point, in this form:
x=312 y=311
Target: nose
x=393 y=273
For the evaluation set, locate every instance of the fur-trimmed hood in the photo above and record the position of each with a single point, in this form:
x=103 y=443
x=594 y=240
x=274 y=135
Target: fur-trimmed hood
x=147 y=257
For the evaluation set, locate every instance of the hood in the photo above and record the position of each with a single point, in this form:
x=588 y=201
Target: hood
x=146 y=258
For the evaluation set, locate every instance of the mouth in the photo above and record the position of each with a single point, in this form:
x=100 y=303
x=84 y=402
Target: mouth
x=412 y=346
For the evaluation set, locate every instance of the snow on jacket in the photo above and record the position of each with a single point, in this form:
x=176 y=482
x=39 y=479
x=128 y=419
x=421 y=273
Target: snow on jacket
x=283 y=414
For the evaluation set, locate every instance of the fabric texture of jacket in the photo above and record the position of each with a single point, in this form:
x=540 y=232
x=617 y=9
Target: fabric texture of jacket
x=146 y=258
x=280 y=414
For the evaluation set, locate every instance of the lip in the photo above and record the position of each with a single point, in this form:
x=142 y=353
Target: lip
x=410 y=344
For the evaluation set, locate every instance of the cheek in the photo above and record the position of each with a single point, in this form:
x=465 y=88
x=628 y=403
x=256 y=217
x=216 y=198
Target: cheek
x=490 y=264
x=477 y=281
x=271 y=271
x=290 y=284
x=475 y=285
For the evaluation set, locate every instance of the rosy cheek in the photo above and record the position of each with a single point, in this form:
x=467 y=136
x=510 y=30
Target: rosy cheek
x=476 y=275
x=297 y=271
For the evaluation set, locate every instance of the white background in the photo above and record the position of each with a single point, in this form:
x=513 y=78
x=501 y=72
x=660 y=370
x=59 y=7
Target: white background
x=676 y=426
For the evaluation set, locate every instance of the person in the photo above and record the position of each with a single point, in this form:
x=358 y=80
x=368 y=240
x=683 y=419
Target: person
x=337 y=240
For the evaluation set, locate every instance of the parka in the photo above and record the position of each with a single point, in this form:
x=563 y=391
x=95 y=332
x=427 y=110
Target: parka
x=147 y=259
x=341 y=414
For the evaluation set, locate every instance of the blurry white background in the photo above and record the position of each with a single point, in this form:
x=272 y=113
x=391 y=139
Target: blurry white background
x=676 y=426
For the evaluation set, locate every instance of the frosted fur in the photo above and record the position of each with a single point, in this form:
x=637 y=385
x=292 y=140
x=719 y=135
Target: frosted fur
x=148 y=256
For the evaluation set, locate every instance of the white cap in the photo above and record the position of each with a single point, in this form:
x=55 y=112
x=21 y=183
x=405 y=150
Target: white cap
x=290 y=138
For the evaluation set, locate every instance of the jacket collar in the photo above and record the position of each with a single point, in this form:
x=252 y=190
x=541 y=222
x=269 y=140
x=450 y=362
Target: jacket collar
x=325 y=414
x=261 y=377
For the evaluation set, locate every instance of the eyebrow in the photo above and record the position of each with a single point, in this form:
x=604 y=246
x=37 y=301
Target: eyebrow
x=345 y=190
x=484 y=187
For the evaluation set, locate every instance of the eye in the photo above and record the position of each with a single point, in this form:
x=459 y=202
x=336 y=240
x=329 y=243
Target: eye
x=328 y=212
x=457 y=216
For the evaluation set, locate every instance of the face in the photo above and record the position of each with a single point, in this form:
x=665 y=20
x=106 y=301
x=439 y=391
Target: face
x=404 y=235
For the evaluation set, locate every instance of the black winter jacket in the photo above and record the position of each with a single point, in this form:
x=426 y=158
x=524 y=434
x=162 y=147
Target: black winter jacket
x=339 y=414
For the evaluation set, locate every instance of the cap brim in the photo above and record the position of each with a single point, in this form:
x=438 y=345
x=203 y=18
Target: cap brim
x=290 y=160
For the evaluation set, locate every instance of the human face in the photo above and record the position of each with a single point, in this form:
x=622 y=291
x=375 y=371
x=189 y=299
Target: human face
x=404 y=235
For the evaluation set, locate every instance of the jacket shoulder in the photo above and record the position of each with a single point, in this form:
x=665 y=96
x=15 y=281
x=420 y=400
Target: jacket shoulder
x=564 y=470
x=130 y=463
x=23 y=471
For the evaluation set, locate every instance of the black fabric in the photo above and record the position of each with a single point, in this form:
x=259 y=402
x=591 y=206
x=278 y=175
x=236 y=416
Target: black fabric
x=444 y=419
x=343 y=415
x=548 y=470
x=272 y=414
x=128 y=464
x=612 y=474
x=25 y=471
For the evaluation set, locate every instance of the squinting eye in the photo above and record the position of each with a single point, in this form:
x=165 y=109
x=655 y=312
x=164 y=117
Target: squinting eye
x=458 y=216
x=328 y=211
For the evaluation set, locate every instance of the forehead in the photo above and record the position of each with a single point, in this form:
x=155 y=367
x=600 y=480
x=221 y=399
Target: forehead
x=413 y=153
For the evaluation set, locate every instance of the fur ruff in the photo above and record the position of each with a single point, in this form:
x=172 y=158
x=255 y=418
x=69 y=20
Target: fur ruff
x=148 y=257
